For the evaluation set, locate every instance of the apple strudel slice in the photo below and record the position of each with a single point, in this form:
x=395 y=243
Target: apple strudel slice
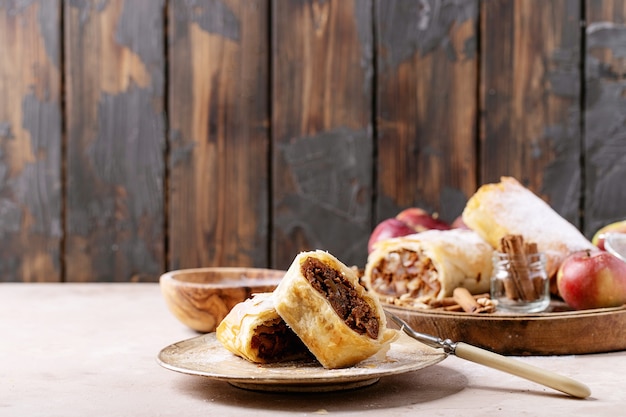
x=254 y=330
x=417 y=269
x=324 y=303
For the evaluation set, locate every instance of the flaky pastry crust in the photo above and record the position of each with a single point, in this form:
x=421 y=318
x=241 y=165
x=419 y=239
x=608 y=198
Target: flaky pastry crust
x=254 y=330
x=509 y=208
x=426 y=266
x=316 y=322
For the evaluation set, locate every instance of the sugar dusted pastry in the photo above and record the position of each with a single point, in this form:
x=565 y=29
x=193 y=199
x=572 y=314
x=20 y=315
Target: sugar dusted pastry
x=416 y=269
x=254 y=330
x=508 y=208
x=322 y=300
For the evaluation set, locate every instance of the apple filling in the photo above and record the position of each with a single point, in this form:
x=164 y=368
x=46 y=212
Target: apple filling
x=405 y=275
x=275 y=341
x=342 y=296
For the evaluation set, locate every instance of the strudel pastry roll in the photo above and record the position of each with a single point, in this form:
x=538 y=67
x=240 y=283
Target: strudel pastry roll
x=324 y=303
x=416 y=269
x=509 y=208
x=254 y=330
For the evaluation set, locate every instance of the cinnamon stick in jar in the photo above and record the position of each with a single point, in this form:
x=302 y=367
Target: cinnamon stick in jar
x=531 y=249
x=519 y=286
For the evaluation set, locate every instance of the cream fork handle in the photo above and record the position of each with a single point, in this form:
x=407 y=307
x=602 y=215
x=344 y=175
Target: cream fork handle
x=521 y=369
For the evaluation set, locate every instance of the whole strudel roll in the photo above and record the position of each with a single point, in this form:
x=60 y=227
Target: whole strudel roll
x=509 y=208
x=323 y=302
x=254 y=330
x=416 y=269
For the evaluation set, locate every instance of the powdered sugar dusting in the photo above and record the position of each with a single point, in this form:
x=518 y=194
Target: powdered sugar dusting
x=510 y=208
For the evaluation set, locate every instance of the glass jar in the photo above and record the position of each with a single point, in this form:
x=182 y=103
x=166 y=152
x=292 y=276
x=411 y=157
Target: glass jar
x=520 y=284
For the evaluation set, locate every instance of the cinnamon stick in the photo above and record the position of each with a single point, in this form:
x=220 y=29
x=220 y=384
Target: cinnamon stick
x=520 y=285
x=538 y=282
x=451 y=302
x=465 y=299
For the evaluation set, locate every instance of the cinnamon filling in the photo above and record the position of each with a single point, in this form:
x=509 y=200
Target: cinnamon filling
x=405 y=274
x=276 y=341
x=343 y=297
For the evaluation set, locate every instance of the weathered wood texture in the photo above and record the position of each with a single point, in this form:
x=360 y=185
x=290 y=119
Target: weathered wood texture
x=530 y=98
x=321 y=128
x=426 y=105
x=30 y=141
x=115 y=140
x=219 y=133
x=141 y=136
x=605 y=114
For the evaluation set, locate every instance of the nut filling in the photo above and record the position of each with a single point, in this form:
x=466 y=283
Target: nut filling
x=343 y=297
x=405 y=274
x=275 y=341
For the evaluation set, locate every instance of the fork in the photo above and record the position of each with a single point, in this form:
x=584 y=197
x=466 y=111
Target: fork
x=496 y=361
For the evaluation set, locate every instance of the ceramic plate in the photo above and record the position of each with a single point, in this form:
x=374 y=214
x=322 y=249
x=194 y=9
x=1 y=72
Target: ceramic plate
x=205 y=356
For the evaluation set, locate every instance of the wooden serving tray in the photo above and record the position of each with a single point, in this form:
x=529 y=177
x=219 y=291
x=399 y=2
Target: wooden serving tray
x=549 y=333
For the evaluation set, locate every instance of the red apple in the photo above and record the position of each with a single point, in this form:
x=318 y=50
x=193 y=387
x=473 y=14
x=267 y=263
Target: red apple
x=598 y=237
x=387 y=229
x=592 y=279
x=420 y=220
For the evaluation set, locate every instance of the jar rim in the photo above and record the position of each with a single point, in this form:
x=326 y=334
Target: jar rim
x=531 y=258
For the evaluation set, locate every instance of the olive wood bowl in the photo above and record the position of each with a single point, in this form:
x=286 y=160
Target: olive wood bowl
x=201 y=297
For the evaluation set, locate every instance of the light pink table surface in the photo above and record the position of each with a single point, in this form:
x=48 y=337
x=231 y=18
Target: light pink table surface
x=90 y=350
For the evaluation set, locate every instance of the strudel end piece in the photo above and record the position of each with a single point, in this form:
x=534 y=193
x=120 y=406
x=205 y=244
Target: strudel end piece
x=509 y=208
x=254 y=330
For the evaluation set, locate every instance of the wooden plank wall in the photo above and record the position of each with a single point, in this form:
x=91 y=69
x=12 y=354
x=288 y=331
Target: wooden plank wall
x=142 y=136
x=115 y=140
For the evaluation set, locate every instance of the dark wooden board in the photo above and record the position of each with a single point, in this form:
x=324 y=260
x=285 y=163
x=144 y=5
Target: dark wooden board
x=219 y=141
x=322 y=140
x=529 y=95
x=30 y=141
x=115 y=140
x=605 y=117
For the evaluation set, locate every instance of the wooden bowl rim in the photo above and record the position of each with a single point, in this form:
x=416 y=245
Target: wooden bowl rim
x=172 y=277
